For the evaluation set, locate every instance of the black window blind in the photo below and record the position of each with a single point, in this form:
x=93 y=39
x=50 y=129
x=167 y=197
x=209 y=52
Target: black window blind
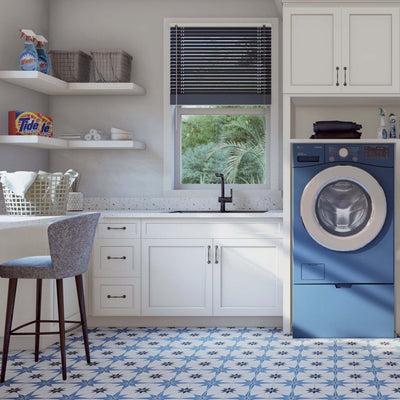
x=220 y=65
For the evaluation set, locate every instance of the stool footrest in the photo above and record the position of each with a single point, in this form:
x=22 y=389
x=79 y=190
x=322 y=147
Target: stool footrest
x=13 y=331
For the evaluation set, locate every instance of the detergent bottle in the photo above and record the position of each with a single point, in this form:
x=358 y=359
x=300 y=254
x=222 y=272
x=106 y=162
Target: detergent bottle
x=382 y=132
x=28 y=59
x=43 y=63
x=392 y=122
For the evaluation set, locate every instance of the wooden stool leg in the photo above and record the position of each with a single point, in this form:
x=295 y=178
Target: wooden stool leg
x=37 y=324
x=82 y=309
x=12 y=290
x=61 y=323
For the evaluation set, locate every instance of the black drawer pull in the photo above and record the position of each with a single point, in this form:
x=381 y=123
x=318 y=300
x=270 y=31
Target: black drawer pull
x=123 y=228
x=116 y=258
x=116 y=297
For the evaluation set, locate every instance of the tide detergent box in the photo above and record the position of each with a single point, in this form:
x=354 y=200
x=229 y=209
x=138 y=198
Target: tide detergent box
x=29 y=123
x=47 y=126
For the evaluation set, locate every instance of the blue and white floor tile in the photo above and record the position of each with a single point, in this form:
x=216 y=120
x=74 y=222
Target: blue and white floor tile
x=205 y=364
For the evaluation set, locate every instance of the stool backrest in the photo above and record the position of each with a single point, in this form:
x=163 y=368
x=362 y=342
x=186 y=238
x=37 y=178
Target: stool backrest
x=71 y=241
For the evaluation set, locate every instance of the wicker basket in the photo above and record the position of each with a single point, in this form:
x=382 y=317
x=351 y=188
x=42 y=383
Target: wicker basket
x=70 y=66
x=111 y=65
x=47 y=195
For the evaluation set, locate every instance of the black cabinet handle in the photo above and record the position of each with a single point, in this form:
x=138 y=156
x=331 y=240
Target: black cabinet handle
x=116 y=258
x=345 y=70
x=116 y=297
x=216 y=255
x=123 y=228
x=337 y=76
x=208 y=254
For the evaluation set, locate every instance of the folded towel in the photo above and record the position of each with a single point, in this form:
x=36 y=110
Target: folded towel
x=336 y=135
x=321 y=126
x=18 y=182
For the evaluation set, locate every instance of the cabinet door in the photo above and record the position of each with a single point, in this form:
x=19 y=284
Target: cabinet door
x=311 y=50
x=370 y=49
x=247 y=278
x=176 y=277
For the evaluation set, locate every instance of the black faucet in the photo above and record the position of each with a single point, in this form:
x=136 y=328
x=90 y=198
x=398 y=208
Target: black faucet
x=222 y=199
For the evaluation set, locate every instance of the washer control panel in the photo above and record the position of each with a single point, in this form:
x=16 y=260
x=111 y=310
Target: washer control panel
x=373 y=154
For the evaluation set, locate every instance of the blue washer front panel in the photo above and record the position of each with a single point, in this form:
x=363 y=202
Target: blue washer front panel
x=355 y=311
x=322 y=306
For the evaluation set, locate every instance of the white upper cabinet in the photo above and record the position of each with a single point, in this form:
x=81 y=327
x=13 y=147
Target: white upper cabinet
x=339 y=50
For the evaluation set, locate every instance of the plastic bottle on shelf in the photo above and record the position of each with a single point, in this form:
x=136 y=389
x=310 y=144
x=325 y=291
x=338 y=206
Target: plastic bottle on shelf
x=43 y=58
x=28 y=59
x=392 y=122
x=382 y=132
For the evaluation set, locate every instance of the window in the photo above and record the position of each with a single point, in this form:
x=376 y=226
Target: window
x=220 y=94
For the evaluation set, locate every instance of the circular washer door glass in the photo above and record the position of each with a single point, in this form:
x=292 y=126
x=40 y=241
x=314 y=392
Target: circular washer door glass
x=343 y=208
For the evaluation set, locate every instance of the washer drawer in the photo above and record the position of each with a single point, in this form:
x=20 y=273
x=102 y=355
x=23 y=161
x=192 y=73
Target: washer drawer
x=343 y=310
x=116 y=297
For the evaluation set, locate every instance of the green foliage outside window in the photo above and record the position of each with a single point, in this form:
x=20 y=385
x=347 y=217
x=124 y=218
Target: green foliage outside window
x=232 y=144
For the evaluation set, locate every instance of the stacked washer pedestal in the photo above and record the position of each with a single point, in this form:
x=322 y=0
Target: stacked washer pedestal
x=343 y=240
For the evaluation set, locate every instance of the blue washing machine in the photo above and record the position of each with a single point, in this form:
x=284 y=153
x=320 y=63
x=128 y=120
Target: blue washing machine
x=343 y=240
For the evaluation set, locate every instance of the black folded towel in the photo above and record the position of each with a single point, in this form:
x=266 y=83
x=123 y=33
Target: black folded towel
x=322 y=126
x=337 y=135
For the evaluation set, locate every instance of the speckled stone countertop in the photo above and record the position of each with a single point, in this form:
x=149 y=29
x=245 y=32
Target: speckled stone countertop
x=13 y=221
x=168 y=214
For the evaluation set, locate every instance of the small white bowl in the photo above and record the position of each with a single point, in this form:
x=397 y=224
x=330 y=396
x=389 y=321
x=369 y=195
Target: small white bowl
x=121 y=136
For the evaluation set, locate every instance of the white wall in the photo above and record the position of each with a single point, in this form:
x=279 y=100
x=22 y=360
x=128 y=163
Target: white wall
x=135 y=26
x=16 y=14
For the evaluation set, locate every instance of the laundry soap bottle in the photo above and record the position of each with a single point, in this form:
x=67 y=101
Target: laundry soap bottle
x=43 y=59
x=382 y=132
x=28 y=59
x=392 y=122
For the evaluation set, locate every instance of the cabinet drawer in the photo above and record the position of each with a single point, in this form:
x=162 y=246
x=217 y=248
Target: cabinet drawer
x=116 y=258
x=193 y=229
x=118 y=230
x=116 y=297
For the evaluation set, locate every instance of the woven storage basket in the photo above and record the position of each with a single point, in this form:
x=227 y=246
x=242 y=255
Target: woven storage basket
x=47 y=195
x=70 y=66
x=111 y=65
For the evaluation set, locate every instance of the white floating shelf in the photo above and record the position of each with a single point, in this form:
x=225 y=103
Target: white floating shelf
x=34 y=141
x=47 y=84
x=106 y=144
x=54 y=144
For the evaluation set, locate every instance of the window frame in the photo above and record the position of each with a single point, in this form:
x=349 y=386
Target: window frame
x=172 y=145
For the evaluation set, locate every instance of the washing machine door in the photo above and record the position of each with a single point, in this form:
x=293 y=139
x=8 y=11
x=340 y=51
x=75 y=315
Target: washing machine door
x=343 y=208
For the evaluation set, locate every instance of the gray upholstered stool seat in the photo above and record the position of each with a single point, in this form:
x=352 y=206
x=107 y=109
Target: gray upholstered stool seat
x=70 y=242
x=37 y=267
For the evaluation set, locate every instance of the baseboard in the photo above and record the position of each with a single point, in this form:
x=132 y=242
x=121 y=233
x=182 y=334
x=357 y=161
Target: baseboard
x=207 y=322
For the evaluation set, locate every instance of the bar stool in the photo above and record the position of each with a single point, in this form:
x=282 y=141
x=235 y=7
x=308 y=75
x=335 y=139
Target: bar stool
x=70 y=242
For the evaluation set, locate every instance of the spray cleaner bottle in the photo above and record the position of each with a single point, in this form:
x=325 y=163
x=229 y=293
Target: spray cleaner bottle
x=392 y=122
x=382 y=132
x=28 y=59
x=43 y=63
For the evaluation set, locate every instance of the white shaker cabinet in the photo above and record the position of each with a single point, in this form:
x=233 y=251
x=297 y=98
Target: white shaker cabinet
x=341 y=50
x=177 y=277
x=246 y=277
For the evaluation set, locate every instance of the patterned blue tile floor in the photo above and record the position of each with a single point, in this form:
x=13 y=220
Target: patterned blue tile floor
x=203 y=363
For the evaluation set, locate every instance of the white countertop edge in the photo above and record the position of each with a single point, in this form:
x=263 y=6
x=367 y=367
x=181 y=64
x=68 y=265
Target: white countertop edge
x=14 y=221
x=169 y=215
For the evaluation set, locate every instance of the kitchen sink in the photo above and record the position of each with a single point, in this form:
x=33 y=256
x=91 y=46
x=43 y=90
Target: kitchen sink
x=217 y=212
